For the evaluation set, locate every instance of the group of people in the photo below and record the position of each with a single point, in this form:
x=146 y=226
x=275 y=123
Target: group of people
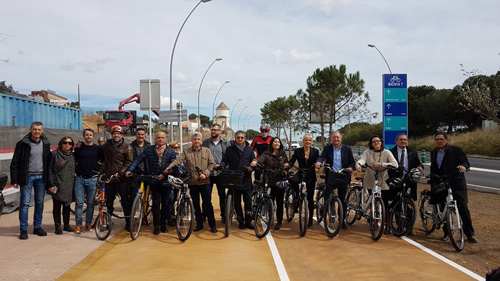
x=72 y=170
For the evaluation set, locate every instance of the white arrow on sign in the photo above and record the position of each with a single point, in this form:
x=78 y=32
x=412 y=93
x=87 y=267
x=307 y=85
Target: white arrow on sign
x=388 y=106
x=388 y=120
x=388 y=92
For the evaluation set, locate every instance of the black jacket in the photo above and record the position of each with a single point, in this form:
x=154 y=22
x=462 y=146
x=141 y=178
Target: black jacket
x=300 y=156
x=140 y=169
x=21 y=159
x=413 y=160
x=234 y=159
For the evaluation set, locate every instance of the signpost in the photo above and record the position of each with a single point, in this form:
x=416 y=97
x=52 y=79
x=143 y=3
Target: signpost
x=395 y=107
x=171 y=116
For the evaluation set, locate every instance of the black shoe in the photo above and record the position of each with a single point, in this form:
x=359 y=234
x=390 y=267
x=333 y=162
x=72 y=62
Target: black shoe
x=249 y=226
x=163 y=228
x=310 y=224
x=445 y=238
x=410 y=233
x=472 y=239
x=344 y=225
x=58 y=230
x=68 y=228
x=23 y=235
x=156 y=231
x=127 y=227
x=213 y=229
x=241 y=225
x=39 y=232
x=171 y=222
x=198 y=228
x=277 y=226
x=223 y=220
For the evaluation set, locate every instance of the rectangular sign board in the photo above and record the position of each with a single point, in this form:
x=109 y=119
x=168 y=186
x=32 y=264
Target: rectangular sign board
x=395 y=107
x=173 y=115
x=145 y=94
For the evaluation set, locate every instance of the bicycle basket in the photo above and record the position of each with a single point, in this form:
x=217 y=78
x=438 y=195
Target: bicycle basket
x=439 y=188
x=232 y=179
x=394 y=183
x=336 y=179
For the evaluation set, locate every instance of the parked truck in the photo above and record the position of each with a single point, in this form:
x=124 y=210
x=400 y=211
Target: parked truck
x=127 y=119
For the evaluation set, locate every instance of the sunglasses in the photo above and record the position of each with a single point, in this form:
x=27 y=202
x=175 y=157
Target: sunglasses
x=176 y=147
x=240 y=137
x=67 y=142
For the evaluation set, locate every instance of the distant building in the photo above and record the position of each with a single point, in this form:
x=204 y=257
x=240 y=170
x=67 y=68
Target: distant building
x=50 y=96
x=222 y=116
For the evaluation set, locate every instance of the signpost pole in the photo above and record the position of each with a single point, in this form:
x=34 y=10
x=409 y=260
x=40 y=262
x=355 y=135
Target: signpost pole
x=179 y=107
x=150 y=111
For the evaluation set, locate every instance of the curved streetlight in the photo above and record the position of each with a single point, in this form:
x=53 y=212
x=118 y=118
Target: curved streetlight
x=172 y=60
x=245 y=122
x=240 y=117
x=213 y=105
x=231 y=114
x=373 y=46
x=199 y=89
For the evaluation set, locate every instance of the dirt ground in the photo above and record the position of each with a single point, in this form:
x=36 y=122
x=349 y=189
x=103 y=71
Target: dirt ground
x=480 y=257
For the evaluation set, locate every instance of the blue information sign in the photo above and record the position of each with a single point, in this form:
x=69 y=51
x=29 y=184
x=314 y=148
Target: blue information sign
x=395 y=107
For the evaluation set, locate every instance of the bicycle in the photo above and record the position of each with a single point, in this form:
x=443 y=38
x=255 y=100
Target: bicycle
x=303 y=205
x=331 y=209
x=184 y=219
x=263 y=206
x=230 y=179
x=140 y=206
x=3 y=182
x=372 y=209
x=433 y=217
x=403 y=211
x=102 y=223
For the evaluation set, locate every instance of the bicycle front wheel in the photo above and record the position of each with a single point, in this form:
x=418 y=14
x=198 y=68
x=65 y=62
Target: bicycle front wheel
x=148 y=209
x=402 y=217
x=353 y=201
x=320 y=203
x=136 y=217
x=228 y=214
x=289 y=206
x=333 y=216
x=264 y=217
x=184 y=219
x=103 y=225
x=377 y=216
x=426 y=214
x=455 y=229
x=303 y=216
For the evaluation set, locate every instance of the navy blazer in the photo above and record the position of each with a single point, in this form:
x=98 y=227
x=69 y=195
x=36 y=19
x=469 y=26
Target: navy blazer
x=345 y=153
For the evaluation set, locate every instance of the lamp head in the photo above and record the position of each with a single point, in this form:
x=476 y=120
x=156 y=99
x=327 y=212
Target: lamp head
x=228 y=81
x=205 y=1
x=371 y=45
x=218 y=59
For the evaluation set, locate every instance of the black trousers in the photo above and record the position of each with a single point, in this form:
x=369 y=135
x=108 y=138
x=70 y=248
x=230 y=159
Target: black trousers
x=123 y=189
x=310 y=186
x=161 y=198
x=221 y=190
x=278 y=195
x=206 y=195
x=56 y=212
x=247 y=199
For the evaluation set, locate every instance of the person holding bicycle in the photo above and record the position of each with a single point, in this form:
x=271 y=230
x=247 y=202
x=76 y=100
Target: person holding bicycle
x=176 y=146
x=138 y=145
x=339 y=157
x=238 y=157
x=379 y=159
x=450 y=160
x=306 y=156
x=275 y=158
x=157 y=157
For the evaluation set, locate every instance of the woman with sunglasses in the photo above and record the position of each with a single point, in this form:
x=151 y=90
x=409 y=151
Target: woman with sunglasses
x=176 y=146
x=61 y=182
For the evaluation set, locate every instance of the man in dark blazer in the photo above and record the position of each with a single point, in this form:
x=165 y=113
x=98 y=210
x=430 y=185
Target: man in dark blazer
x=339 y=157
x=451 y=161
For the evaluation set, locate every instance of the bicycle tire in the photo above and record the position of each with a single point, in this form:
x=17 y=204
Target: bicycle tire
x=427 y=215
x=184 y=219
x=333 y=216
x=148 y=212
x=303 y=216
x=264 y=217
x=289 y=198
x=136 y=215
x=103 y=225
x=455 y=229
x=377 y=219
x=73 y=209
x=320 y=206
x=228 y=214
x=352 y=209
x=403 y=217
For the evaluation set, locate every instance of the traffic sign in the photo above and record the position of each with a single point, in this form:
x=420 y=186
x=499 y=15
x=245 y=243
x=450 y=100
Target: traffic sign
x=395 y=107
x=146 y=95
x=173 y=115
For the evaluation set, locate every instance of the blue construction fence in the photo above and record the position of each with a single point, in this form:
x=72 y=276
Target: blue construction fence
x=21 y=112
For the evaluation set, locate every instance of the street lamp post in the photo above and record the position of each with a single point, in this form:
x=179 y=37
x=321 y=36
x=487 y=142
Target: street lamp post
x=172 y=60
x=373 y=46
x=213 y=105
x=199 y=89
x=232 y=109
x=240 y=117
x=245 y=121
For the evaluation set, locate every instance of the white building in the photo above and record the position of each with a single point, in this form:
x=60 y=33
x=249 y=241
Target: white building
x=222 y=116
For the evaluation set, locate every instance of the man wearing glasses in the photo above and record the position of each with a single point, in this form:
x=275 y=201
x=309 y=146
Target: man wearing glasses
x=217 y=146
x=87 y=165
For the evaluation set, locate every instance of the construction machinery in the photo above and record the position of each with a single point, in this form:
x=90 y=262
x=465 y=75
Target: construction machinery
x=127 y=119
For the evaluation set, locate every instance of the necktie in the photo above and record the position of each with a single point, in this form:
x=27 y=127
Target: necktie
x=402 y=162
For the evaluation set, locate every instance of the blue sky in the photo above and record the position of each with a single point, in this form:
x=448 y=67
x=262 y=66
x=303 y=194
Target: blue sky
x=269 y=48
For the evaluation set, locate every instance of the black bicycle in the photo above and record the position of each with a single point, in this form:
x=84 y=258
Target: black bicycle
x=303 y=205
x=3 y=182
x=230 y=179
x=184 y=218
x=333 y=213
x=263 y=206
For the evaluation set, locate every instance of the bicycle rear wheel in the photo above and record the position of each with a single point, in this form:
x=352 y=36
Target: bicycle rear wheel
x=333 y=216
x=228 y=214
x=377 y=216
x=148 y=209
x=455 y=229
x=426 y=215
x=184 y=219
x=103 y=225
x=320 y=205
x=136 y=217
x=353 y=201
x=402 y=217
x=303 y=216
x=264 y=217
x=289 y=206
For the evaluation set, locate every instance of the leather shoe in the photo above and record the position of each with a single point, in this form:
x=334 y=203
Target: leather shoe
x=344 y=225
x=410 y=233
x=156 y=231
x=277 y=226
x=249 y=226
x=445 y=238
x=163 y=229
x=68 y=228
x=198 y=228
x=310 y=224
x=39 y=232
x=241 y=225
x=213 y=229
x=472 y=239
x=23 y=235
x=58 y=230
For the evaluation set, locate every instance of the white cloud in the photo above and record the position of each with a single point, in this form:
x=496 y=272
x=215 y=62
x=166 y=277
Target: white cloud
x=88 y=66
x=294 y=57
x=180 y=78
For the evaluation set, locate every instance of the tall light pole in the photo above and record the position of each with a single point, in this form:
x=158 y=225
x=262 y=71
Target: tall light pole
x=172 y=60
x=199 y=89
x=373 y=46
x=213 y=105
x=240 y=117
x=231 y=114
x=245 y=121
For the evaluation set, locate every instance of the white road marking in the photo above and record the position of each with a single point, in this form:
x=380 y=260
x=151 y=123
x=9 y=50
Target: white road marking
x=277 y=259
x=475 y=169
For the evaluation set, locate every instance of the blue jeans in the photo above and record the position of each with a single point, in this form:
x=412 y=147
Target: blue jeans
x=34 y=182
x=84 y=188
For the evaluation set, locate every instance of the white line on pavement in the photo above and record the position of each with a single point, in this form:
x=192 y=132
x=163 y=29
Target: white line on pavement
x=476 y=169
x=277 y=259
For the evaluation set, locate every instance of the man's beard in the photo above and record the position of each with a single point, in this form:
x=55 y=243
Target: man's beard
x=214 y=137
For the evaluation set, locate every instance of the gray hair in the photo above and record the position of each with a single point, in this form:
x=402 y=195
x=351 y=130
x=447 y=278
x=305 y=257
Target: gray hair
x=337 y=132
x=196 y=134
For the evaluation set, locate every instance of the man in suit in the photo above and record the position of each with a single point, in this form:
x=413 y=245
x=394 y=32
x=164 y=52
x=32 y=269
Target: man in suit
x=339 y=157
x=451 y=161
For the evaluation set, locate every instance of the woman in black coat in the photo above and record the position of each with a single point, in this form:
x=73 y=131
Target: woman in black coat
x=306 y=156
